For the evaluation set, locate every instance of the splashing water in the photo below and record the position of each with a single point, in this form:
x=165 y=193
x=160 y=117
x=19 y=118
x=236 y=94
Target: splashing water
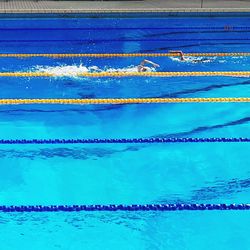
x=190 y=59
x=74 y=70
x=130 y=68
x=62 y=70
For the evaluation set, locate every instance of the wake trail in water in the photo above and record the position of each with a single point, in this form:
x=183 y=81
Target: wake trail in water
x=191 y=59
x=62 y=70
x=74 y=70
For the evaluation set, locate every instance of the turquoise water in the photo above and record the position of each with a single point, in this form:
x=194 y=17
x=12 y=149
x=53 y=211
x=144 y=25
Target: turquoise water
x=127 y=174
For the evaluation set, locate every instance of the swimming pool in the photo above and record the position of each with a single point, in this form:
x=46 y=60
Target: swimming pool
x=159 y=173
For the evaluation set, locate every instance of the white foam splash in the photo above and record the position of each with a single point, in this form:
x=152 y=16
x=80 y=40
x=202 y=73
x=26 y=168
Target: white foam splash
x=74 y=70
x=130 y=68
x=191 y=59
x=62 y=70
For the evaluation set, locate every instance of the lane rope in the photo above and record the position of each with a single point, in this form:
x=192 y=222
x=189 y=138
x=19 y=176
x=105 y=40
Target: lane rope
x=122 y=140
x=147 y=207
x=125 y=101
x=127 y=74
x=58 y=55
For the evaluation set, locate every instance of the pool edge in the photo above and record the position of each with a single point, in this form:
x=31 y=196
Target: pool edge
x=128 y=10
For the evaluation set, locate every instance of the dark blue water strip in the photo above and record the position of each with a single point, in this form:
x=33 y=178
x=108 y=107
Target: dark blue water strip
x=126 y=40
x=223 y=28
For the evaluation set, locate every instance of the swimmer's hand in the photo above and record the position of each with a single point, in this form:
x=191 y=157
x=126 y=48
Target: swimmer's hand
x=156 y=65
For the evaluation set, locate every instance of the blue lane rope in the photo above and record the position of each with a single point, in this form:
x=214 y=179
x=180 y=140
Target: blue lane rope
x=147 y=207
x=133 y=140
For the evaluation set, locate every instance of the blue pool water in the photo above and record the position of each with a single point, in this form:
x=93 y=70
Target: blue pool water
x=124 y=174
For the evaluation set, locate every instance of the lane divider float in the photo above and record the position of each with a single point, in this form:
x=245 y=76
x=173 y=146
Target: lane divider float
x=122 y=140
x=125 y=101
x=113 y=208
x=63 y=55
x=127 y=74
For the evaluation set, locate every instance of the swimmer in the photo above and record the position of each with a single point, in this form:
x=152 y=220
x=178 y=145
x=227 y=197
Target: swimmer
x=179 y=53
x=182 y=58
x=142 y=68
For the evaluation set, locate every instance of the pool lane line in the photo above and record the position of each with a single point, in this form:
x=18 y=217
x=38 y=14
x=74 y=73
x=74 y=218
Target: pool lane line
x=58 y=55
x=128 y=74
x=125 y=101
x=121 y=207
x=125 y=141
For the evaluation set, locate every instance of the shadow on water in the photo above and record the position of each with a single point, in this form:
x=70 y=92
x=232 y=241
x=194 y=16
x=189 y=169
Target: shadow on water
x=216 y=190
x=205 y=89
x=205 y=128
x=76 y=153
x=195 y=45
x=222 y=189
x=82 y=110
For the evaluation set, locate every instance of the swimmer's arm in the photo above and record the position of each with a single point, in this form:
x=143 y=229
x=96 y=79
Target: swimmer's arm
x=149 y=62
x=179 y=52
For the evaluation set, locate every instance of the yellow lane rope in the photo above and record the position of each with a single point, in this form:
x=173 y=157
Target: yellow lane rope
x=123 y=100
x=58 y=55
x=124 y=74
